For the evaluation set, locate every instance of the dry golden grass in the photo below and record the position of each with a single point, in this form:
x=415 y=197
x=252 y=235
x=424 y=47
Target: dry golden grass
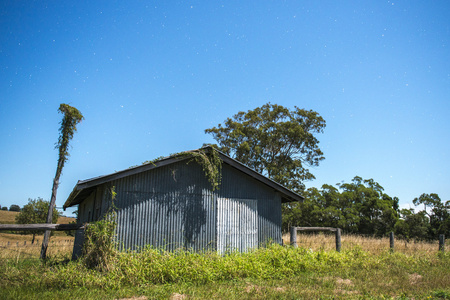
x=327 y=241
x=65 y=220
x=19 y=245
x=8 y=217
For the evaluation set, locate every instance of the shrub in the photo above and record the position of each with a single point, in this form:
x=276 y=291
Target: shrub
x=99 y=247
x=14 y=207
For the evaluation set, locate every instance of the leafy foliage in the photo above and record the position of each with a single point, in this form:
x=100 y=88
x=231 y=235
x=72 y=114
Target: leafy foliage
x=68 y=127
x=357 y=207
x=99 y=247
x=72 y=117
x=275 y=141
x=437 y=212
x=209 y=160
x=412 y=225
x=35 y=212
x=14 y=207
x=362 y=207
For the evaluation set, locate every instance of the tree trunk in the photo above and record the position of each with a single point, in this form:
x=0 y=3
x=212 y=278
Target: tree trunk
x=50 y=208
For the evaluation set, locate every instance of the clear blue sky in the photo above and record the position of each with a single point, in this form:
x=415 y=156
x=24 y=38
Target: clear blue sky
x=150 y=76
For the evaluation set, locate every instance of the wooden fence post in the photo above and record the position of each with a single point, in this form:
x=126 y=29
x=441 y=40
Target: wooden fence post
x=442 y=242
x=391 y=241
x=293 y=238
x=338 y=239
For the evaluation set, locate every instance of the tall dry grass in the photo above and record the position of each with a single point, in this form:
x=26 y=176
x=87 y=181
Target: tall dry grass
x=18 y=246
x=8 y=217
x=327 y=241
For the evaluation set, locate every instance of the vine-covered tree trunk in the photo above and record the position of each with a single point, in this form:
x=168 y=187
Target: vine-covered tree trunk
x=68 y=127
x=50 y=210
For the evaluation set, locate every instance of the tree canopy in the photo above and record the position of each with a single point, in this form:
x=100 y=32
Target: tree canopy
x=362 y=207
x=72 y=117
x=437 y=212
x=14 y=207
x=357 y=207
x=275 y=141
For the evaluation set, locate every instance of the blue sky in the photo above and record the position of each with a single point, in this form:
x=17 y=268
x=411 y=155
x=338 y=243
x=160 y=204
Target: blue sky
x=151 y=76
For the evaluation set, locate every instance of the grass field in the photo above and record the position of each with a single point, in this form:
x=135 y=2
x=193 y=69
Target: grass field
x=18 y=246
x=365 y=269
x=8 y=217
x=326 y=241
x=274 y=272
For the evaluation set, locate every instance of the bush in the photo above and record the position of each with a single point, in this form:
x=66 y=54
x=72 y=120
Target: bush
x=14 y=207
x=35 y=212
x=99 y=248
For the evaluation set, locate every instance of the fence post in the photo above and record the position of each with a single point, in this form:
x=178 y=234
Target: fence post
x=391 y=241
x=338 y=239
x=293 y=238
x=442 y=242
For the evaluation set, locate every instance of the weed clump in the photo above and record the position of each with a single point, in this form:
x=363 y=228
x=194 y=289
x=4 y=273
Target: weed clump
x=99 y=248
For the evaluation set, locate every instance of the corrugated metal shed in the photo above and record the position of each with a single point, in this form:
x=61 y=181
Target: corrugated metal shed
x=169 y=204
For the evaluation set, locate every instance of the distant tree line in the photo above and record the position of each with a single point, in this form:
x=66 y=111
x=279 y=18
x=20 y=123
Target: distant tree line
x=362 y=207
x=13 y=207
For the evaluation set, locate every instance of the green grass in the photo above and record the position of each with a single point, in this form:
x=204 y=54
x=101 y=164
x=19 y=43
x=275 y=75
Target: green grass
x=268 y=273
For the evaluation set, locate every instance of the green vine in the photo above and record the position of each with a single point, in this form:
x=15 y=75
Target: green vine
x=99 y=248
x=208 y=158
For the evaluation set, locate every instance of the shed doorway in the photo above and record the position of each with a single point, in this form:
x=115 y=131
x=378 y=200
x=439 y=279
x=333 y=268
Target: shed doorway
x=237 y=224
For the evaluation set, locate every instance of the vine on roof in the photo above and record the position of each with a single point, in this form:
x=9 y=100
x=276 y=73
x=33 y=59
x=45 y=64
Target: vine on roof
x=207 y=157
x=210 y=162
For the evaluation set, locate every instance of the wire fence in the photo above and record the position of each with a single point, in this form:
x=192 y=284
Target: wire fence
x=27 y=250
x=327 y=241
x=62 y=247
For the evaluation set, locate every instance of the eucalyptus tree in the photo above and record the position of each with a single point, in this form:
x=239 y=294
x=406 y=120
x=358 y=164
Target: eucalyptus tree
x=360 y=206
x=68 y=127
x=438 y=213
x=368 y=207
x=412 y=225
x=275 y=141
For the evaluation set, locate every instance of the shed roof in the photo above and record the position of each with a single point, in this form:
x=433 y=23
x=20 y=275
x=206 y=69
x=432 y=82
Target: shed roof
x=84 y=188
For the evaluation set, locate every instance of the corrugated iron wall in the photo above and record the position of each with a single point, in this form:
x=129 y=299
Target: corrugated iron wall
x=173 y=207
x=237 y=224
x=170 y=207
x=238 y=185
